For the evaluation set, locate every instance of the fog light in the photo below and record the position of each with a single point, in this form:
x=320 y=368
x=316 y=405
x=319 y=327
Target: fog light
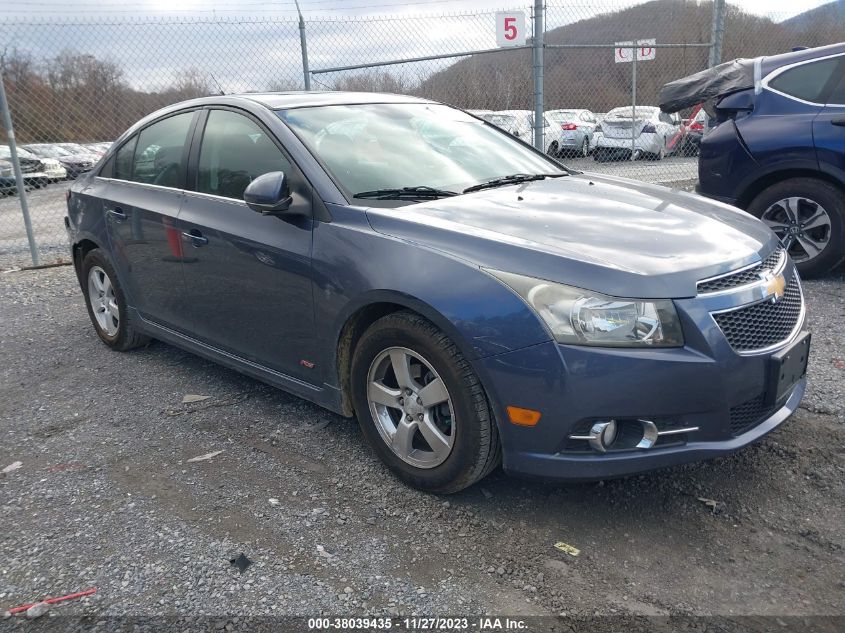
x=602 y=435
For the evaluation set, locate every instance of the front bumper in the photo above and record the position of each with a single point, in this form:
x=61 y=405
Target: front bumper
x=705 y=384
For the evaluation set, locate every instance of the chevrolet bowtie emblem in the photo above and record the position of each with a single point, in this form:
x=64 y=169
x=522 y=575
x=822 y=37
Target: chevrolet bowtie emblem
x=775 y=287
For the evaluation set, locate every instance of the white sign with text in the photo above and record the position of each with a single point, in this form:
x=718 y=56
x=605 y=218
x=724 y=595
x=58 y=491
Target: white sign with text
x=624 y=51
x=510 y=28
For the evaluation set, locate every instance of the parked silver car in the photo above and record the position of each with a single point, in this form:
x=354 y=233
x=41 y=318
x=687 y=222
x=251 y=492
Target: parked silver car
x=648 y=126
x=573 y=129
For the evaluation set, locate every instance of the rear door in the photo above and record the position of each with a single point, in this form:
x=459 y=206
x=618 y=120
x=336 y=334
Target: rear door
x=249 y=281
x=829 y=128
x=142 y=203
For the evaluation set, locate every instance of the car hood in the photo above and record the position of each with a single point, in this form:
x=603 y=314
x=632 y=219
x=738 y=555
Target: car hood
x=606 y=234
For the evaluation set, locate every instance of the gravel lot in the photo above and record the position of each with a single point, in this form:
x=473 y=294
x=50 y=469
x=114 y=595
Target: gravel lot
x=106 y=497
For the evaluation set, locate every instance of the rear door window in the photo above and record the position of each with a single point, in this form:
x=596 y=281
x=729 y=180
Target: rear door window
x=837 y=96
x=808 y=81
x=159 y=157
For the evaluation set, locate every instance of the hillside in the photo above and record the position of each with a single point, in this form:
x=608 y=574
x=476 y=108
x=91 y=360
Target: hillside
x=590 y=78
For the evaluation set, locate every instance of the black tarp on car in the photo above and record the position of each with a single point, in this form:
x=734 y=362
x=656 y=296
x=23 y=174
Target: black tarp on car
x=703 y=86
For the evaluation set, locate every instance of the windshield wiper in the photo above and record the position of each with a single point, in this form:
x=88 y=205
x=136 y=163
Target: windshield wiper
x=406 y=193
x=510 y=180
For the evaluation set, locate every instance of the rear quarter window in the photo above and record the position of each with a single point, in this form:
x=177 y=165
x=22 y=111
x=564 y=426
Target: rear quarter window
x=808 y=81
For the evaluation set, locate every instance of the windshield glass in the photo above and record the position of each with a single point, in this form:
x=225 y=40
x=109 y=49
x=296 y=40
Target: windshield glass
x=643 y=112
x=562 y=115
x=6 y=152
x=74 y=148
x=393 y=145
x=48 y=151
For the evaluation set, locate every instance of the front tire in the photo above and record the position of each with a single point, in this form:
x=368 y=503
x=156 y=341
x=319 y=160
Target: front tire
x=421 y=407
x=808 y=216
x=554 y=150
x=106 y=303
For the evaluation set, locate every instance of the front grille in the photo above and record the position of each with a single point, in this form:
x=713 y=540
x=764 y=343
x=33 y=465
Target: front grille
x=743 y=277
x=763 y=324
x=749 y=414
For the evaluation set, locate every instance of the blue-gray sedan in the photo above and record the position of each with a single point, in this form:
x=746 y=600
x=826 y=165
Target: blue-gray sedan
x=470 y=300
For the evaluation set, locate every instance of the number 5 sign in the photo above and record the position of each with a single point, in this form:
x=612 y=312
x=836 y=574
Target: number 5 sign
x=510 y=28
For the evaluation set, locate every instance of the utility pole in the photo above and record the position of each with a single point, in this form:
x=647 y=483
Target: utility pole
x=303 y=45
x=539 y=120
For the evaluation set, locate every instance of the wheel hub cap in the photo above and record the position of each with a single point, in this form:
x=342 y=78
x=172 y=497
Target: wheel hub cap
x=411 y=407
x=801 y=224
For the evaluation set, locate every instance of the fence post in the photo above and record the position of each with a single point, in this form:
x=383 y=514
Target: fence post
x=539 y=120
x=303 y=45
x=16 y=165
x=635 y=48
x=718 y=32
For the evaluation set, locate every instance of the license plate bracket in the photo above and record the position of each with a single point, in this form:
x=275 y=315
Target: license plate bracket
x=786 y=368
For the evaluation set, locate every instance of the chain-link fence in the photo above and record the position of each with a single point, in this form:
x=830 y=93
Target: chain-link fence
x=75 y=81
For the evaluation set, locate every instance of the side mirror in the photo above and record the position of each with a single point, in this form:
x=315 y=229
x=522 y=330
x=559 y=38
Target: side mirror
x=268 y=194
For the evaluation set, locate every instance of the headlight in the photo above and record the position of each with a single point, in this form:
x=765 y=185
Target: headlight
x=583 y=317
x=6 y=172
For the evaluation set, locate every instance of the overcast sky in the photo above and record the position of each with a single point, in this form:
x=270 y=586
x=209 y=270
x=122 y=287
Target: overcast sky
x=254 y=44
x=338 y=7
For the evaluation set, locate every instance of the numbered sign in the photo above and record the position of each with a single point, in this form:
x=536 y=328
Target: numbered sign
x=625 y=53
x=510 y=28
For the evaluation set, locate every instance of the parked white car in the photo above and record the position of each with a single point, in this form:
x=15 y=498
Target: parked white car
x=649 y=127
x=515 y=122
x=573 y=129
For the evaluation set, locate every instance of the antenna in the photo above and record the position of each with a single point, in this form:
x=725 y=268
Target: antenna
x=222 y=92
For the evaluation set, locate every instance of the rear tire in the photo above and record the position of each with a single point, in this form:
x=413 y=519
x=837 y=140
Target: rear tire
x=811 y=230
x=106 y=303
x=464 y=419
x=554 y=150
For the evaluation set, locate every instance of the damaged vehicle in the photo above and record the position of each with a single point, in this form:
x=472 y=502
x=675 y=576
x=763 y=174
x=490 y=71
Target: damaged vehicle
x=470 y=300
x=776 y=146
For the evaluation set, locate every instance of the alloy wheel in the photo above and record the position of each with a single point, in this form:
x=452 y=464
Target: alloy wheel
x=103 y=301
x=411 y=407
x=801 y=224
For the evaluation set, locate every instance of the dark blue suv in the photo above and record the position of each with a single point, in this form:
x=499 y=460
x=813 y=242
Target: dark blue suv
x=778 y=151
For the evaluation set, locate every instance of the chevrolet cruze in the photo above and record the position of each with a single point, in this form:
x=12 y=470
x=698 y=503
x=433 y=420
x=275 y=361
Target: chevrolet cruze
x=471 y=301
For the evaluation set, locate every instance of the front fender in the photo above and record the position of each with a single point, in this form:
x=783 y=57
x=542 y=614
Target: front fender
x=354 y=267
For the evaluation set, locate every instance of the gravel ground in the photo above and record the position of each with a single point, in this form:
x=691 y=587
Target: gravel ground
x=106 y=497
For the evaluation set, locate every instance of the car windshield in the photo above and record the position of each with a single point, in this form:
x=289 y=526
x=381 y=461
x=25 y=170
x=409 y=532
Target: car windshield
x=6 y=152
x=502 y=120
x=48 y=151
x=627 y=113
x=73 y=148
x=376 y=146
x=563 y=115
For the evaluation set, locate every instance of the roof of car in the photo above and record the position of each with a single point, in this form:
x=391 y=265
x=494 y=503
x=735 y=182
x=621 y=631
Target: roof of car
x=302 y=99
x=772 y=62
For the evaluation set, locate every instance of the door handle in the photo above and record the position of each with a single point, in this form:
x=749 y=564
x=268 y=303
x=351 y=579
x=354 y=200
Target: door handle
x=118 y=214
x=195 y=237
x=840 y=121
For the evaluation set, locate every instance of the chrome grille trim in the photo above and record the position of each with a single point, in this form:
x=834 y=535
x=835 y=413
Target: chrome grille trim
x=739 y=343
x=749 y=275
